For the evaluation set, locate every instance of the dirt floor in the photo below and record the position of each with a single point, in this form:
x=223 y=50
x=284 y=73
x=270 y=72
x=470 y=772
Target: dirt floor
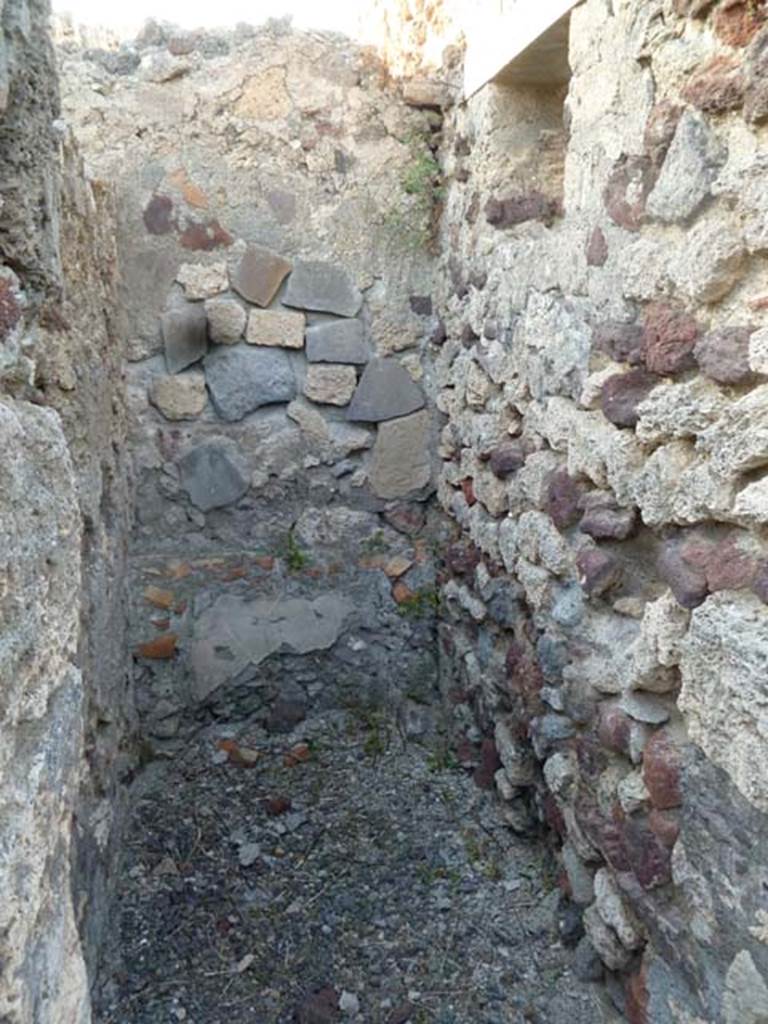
x=339 y=873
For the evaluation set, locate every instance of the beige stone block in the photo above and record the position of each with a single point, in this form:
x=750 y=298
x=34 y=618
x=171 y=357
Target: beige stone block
x=276 y=328
x=203 y=280
x=179 y=396
x=330 y=384
x=401 y=462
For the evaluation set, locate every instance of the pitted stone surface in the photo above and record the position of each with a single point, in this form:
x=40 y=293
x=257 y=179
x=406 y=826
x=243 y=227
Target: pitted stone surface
x=723 y=670
x=339 y=342
x=185 y=336
x=259 y=274
x=275 y=328
x=330 y=385
x=386 y=391
x=242 y=379
x=203 y=280
x=213 y=474
x=322 y=287
x=235 y=633
x=226 y=321
x=690 y=167
x=180 y=396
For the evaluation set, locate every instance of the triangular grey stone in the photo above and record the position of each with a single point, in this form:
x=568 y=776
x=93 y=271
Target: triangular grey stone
x=386 y=391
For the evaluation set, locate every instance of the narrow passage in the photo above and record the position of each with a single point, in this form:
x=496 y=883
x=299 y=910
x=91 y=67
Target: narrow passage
x=340 y=873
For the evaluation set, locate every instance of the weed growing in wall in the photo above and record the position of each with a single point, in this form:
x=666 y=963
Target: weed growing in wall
x=295 y=557
x=413 y=220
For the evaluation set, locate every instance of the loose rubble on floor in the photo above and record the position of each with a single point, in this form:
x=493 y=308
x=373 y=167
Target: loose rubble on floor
x=337 y=873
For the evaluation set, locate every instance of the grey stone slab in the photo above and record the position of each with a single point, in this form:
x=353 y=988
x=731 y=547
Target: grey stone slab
x=339 y=342
x=691 y=165
x=400 y=463
x=235 y=633
x=322 y=287
x=213 y=475
x=241 y=379
x=386 y=391
x=259 y=274
x=185 y=336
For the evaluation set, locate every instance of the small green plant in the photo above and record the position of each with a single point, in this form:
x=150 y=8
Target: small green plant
x=375 y=544
x=414 y=221
x=377 y=740
x=421 y=604
x=295 y=557
x=442 y=759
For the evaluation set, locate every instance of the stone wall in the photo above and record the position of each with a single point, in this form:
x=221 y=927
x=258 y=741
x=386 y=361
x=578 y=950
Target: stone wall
x=276 y=204
x=63 y=523
x=603 y=377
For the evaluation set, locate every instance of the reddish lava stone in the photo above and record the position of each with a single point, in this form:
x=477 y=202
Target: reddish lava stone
x=489 y=765
x=669 y=337
x=622 y=393
x=158 y=215
x=598 y=571
x=597 y=248
x=563 y=497
x=661 y=771
x=507 y=459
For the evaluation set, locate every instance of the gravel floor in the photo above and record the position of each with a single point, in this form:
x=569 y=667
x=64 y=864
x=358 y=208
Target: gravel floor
x=336 y=874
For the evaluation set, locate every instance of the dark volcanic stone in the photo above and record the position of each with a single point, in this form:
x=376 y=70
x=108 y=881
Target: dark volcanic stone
x=756 y=79
x=185 y=336
x=760 y=582
x=406 y=518
x=649 y=859
x=688 y=583
x=507 y=458
x=737 y=22
x=597 y=249
x=386 y=391
x=204 y=236
x=285 y=714
x=660 y=130
x=490 y=762
x=622 y=394
x=587 y=965
x=463 y=558
x=212 y=474
x=158 y=215
x=243 y=378
x=627 y=190
x=723 y=355
x=563 y=498
x=321 y=1007
x=598 y=571
x=603 y=519
x=439 y=334
x=421 y=305
x=728 y=567
x=717 y=87
x=322 y=287
x=622 y=342
x=341 y=341
x=669 y=337
x=506 y=213
x=662 y=761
